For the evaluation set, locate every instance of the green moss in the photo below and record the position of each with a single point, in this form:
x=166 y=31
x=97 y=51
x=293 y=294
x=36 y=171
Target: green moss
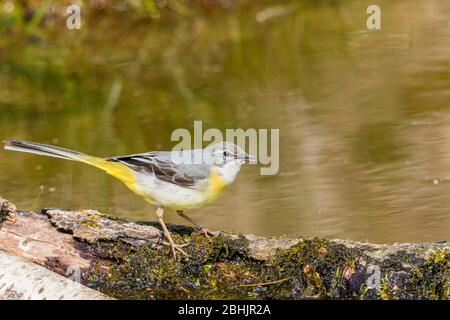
x=428 y=279
x=89 y=224
x=432 y=279
x=220 y=268
x=387 y=292
x=214 y=270
x=91 y=220
x=316 y=269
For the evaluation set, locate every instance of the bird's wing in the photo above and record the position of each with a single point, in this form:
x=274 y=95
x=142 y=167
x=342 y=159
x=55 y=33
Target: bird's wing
x=162 y=166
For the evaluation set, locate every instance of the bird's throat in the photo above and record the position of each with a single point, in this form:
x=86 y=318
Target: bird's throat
x=215 y=186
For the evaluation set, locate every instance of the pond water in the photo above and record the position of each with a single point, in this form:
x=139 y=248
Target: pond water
x=364 y=116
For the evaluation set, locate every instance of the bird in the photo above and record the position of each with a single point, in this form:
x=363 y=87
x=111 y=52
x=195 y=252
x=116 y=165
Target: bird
x=177 y=179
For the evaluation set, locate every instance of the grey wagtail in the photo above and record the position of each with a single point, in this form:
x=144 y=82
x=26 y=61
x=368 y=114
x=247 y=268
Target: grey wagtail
x=167 y=179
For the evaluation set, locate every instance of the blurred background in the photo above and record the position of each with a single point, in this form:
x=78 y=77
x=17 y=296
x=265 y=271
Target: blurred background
x=364 y=116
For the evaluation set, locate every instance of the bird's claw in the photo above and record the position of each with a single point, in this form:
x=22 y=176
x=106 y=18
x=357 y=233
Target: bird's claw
x=208 y=232
x=177 y=247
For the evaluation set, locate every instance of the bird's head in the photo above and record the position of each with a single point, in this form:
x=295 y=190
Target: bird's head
x=226 y=159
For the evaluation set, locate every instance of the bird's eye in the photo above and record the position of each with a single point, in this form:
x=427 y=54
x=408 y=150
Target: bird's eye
x=226 y=153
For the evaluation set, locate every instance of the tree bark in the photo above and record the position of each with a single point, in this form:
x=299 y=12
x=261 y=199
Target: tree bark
x=131 y=260
x=21 y=279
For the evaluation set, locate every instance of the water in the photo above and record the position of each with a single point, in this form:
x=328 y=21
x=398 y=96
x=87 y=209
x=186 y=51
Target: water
x=364 y=116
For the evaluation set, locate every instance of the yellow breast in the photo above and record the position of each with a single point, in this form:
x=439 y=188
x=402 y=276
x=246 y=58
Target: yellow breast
x=215 y=186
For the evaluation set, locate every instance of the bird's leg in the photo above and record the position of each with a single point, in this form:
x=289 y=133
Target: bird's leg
x=204 y=230
x=173 y=246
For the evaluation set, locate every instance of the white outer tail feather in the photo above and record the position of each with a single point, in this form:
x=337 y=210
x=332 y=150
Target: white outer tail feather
x=42 y=153
x=42 y=149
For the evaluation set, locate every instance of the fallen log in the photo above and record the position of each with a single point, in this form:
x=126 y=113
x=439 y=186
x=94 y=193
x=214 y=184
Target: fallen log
x=130 y=260
x=21 y=279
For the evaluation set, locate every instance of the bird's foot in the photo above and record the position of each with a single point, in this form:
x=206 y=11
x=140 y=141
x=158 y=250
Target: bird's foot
x=176 y=247
x=209 y=233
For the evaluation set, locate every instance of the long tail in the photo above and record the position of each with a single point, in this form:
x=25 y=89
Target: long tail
x=116 y=169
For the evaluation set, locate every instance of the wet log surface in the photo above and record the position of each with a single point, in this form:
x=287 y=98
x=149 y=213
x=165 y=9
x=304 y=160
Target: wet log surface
x=129 y=260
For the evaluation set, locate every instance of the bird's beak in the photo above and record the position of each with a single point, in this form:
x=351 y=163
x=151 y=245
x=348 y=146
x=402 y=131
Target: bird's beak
x=249 y=158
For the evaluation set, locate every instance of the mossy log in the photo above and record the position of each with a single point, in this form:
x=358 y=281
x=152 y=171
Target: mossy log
x=130 y=260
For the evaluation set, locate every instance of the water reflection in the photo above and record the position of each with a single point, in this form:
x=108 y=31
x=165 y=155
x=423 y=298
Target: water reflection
x=364 y=117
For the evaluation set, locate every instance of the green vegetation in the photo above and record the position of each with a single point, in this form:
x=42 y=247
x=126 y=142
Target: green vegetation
x=434 y=276
x=219 y=268
x=430 y=280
